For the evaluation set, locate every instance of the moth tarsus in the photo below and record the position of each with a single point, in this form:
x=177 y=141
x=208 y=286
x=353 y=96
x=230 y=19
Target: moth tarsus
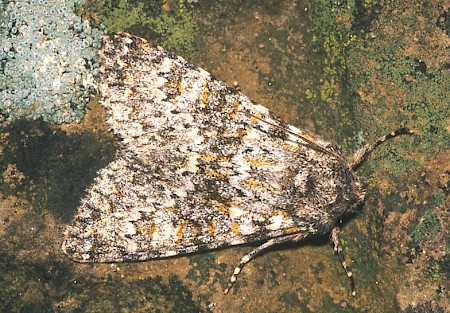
x=334 y=236
x=257 y=251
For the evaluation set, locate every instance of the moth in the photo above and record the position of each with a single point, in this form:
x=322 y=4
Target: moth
x=201 y=166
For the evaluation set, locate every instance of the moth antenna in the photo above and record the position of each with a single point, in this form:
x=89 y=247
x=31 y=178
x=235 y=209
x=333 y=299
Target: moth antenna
x=361 y=155
x=304 y=136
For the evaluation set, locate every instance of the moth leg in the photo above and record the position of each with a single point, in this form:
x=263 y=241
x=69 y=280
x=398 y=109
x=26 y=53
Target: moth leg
x=262 y=248
x=338 y=251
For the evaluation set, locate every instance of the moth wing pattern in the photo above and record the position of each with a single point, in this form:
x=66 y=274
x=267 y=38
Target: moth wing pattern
x=200 y=166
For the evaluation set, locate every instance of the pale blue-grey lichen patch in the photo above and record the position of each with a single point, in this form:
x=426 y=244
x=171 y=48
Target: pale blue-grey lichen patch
x=47 y=60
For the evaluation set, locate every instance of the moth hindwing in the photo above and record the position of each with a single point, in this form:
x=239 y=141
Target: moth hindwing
x=201 y=166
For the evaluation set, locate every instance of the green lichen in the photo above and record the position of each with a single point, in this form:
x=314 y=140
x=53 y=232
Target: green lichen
x=334 y=46
x=427 y=228
x=344 y=245
x=123 y=16
x=393 y=161
x=333 y=33
x=439 y=197
x=176 y=32
x=172 y=30
x=182 y=5
x=201 y=265
x=398 y=89
x=433 y=271
x=361 y=251
x=309 y=94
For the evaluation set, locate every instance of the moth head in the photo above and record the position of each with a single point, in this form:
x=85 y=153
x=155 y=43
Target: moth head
x=359 y=186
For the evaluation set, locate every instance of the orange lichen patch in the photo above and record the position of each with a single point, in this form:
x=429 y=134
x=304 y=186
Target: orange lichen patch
x=427 y=43
x=438 y=169
x=205 y=94
x=235 y=228
x=396 y=230
x=233 y=113
x=181 y=227
x=344 y=19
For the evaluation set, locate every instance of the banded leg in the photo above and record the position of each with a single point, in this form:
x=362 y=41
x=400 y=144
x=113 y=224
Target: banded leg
x=338 y=251
x=262 y=248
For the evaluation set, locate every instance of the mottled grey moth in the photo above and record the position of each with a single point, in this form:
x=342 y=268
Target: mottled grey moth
x=201 y=166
